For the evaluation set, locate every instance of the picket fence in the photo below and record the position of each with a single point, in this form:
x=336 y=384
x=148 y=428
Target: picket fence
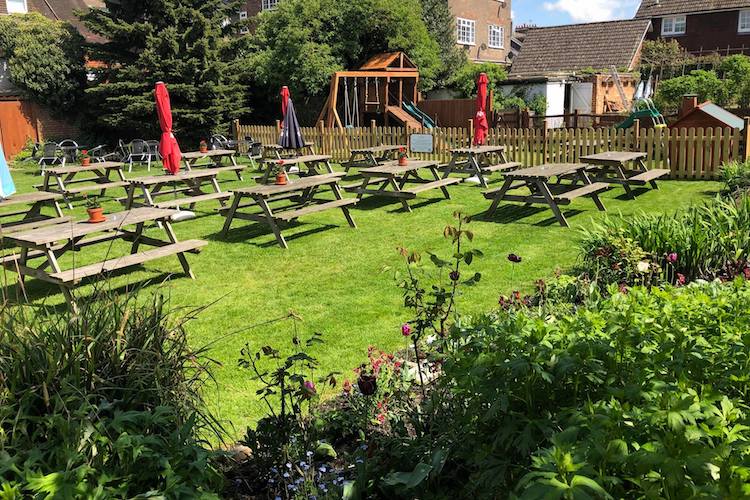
x=688 y=153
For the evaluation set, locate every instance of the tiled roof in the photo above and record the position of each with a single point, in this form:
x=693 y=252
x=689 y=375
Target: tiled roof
x=655 y=8
x=65 y=10
x=577 y=47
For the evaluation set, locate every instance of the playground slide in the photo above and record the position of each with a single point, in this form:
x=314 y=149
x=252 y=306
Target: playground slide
x=403 y=117
x=417 y=113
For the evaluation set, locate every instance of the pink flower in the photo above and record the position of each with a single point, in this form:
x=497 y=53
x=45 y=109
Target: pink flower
x=381 y=418
x=623 y=288
x=309 y=389
x=672 y=258
x=681 y=280
x=405 y=330
x=746 y=272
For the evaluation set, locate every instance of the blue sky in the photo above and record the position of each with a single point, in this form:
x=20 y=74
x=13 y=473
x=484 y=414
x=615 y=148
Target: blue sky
x=555 y=12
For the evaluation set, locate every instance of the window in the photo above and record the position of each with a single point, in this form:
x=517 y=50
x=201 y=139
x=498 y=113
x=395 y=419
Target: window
x=243 y=15
x=268 y=4
x=17 y=7
x=467 y=32
x=496 y=37
x=674 y=25
x=744 y=24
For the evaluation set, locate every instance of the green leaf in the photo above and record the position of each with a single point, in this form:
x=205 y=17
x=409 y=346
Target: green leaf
x=408 y=480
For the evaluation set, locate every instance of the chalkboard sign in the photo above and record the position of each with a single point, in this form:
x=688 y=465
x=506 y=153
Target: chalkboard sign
x=421 y=143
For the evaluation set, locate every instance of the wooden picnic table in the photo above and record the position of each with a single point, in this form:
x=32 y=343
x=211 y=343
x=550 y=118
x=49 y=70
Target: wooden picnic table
x=314 y=164
x=62 y=180
x=479 y=161
x=373 y=156
x=184 y=183
x=278 y=152
x=32 y=216
x=538 y=182
x=215 y=156
x=394 y=176
x=302 y=192
x=50 y=243
x=626 y=168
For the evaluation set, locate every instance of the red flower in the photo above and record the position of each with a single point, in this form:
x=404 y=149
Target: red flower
x=309 y=389
x=406 y=330
x=280 y=162
x=681 y=280
x=672 y=258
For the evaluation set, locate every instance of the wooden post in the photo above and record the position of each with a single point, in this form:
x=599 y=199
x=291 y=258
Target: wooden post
x=374 y=132
x=323 y=146
x=471 y=132
x=545 y=148
x=575 y=119
x=278 y=125
x=746 y=139
x=637 y=135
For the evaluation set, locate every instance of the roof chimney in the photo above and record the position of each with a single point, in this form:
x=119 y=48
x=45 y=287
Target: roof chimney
x=689 y=103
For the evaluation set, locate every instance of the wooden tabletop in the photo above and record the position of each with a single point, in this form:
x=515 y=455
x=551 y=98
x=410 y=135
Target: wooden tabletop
x=18 y=199
x=281 y=148
x=379 y=149
x=613 y=157
x=295 y=185
x=304 y=159
x=181 y=176
x=196 y=155
x=72 y=169
x=393 y=168
x=478 y=150
x=547 y=170
x=69 y=230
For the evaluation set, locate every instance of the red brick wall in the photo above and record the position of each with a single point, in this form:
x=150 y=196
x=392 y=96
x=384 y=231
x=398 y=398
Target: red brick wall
x=484 y=13
x=714 y=31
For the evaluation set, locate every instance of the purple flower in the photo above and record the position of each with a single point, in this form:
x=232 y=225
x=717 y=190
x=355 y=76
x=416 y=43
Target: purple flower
x=514 y=258
x=455 y=275
x=309 y=388
x=672 y=258
x=405 y=330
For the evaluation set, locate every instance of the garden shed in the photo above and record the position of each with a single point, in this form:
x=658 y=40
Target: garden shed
x=706 y=115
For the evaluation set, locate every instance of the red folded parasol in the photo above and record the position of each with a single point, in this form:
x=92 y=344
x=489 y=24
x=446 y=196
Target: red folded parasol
x=284 y=101
x=481 y=126
x=168 y=147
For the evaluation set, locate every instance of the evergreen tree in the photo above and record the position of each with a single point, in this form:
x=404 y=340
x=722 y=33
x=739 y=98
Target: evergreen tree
x=441 y=24
x=178 y=42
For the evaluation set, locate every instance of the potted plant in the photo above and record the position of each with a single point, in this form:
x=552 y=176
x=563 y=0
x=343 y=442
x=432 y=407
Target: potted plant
x=85 y=158
x=95 y=210
x=402 y=159
x=203 y=146
x=281 y=177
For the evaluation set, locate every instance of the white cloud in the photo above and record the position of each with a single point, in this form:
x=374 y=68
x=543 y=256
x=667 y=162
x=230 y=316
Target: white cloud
x=592 y=10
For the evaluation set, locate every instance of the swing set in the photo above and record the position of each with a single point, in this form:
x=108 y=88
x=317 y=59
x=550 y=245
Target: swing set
x=376 y=91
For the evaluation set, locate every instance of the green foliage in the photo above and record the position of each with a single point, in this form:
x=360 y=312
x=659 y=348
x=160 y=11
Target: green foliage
x=709 y=241
x=303 y=42
x=736 y=72
x=103 y=404
x=465 y=80
x=705 y=84
x=179 y=42
x=736 y=178
x=441 y=23
x=45 y=59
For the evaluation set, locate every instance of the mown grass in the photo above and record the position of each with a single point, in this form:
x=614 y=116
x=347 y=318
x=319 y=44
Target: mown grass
x=340 y=280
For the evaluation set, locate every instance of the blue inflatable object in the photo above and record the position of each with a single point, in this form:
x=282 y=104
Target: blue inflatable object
x=7 y=186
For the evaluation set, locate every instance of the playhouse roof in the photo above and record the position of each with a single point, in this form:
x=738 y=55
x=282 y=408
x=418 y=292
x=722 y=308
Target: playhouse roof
x=389 y=61
x=578 y=47
x=716 y=112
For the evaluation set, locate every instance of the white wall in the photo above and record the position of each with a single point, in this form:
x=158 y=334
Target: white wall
x=581 y=94
x=555 y=103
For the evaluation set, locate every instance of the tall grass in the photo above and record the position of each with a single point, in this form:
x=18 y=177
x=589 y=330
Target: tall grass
x=108 y=400
x=736 y=178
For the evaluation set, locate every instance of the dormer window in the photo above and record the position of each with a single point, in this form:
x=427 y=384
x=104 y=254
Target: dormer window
x=673 y=25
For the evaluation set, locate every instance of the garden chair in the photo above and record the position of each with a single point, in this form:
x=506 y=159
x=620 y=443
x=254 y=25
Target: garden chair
x=51 y=154
x=99 y=154
x=137 y=152
x=70 y=149
x=153 y=149
x=219 y=141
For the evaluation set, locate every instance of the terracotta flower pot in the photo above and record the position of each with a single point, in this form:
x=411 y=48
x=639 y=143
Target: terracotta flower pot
x=203 y=149
x=367 y=384
x=96 y=215
x=281 y=178
x=86 y=161
x=403 y=161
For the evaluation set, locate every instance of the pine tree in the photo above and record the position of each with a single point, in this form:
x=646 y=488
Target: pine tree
x=442 y=26
x=179 y=42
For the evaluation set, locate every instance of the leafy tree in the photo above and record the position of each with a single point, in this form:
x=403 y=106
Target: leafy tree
x=662 y=56
x=45 y=59
x=441 y=24
x=736 y=71
x=179 y=42
x=302 y=42
x=706 y=84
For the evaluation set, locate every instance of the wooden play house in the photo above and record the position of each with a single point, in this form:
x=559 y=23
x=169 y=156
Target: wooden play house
x=384 y=89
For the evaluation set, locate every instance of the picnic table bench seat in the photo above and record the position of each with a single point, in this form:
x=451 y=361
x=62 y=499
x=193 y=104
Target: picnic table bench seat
x=25 y=198
x=649 y=176
x=501 y=167
x=95 y=187
x=585 y=190
x=73 y=276
x=191 y=200
x=290 y=215
x=420 y=188
x=626 y=168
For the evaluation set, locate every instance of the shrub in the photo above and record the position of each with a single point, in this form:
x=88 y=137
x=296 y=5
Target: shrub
x=736 y=178
x=706 y=241
x=106 y=403
x=641 y=395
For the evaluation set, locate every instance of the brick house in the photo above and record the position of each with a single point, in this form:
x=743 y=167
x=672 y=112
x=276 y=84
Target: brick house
x=483 y=27
x=701 y=26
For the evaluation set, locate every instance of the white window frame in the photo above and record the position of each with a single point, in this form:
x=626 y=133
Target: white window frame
x=243 y=15
x=669 y=25
x=466 y=27
x=743 y=27
x=500 y=32
x=24 y=11
x=268 y=4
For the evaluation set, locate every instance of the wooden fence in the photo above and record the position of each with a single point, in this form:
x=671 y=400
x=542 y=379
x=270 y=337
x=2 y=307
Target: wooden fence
x=688 y=153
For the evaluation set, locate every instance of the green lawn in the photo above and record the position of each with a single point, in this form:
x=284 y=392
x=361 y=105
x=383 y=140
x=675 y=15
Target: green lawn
x=333 y=276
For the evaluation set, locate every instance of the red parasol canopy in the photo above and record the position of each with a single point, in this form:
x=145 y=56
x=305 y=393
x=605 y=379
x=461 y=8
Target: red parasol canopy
x=168 y=147
x=284 y=101
x=481 y=126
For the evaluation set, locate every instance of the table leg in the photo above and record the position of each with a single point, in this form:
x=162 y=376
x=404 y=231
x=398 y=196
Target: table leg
x=337 y=193
x=271 y=221
x=450 y=167
x=544 y=190
x=352 y=158
x=499 y=197
x=58 y=210
x=474 y=162
x=230 y=214
x=329 y=168
x=217 y=189
x=587 y=180
x=173 y=239
x=66 y=291
x=444 y=189
x=137 y=238
x=233 y=161
x=61 y=187
x=362 y=188
x=625 y=184
x=397 y=189
x=120 y=173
